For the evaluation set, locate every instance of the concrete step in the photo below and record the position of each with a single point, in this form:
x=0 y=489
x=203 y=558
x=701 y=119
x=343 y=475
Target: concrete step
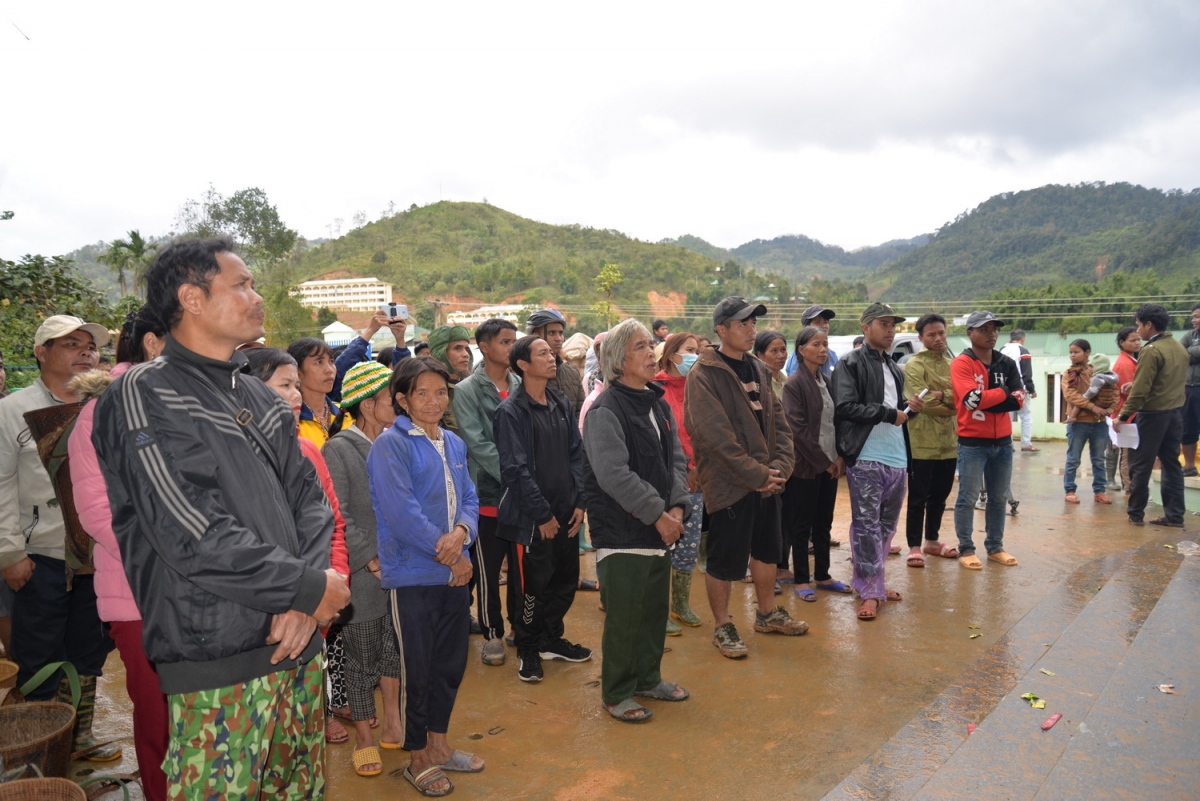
x=903 y=765
x=932 y=741
x=1009 y=756
x=1137 y=741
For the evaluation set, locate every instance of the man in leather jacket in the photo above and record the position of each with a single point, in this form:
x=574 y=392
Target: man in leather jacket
x=868 y=393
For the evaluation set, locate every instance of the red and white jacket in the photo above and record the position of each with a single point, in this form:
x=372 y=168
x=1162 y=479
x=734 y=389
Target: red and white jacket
x=983 y=396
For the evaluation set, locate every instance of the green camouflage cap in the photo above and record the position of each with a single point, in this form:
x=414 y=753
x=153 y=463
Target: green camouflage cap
x=877 y=311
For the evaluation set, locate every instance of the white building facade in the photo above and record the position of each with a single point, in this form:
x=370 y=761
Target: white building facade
x=471 y=319
x=350 y=294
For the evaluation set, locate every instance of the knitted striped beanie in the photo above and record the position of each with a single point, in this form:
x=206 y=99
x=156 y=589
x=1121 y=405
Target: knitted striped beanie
x=362 y=381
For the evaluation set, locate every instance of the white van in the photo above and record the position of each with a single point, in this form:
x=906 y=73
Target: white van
x=903 y=346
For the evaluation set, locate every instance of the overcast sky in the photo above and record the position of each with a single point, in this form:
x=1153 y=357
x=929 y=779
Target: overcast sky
x=851 y=122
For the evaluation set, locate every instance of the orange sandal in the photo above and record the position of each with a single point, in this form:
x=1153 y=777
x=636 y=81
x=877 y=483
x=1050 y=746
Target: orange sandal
x=1003 y=558
x=970 y=562
x=367 y=756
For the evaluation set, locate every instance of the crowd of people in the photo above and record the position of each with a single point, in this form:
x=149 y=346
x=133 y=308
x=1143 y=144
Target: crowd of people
x=270 y=536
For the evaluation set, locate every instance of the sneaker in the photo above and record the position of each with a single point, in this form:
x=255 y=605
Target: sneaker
x=981 y=504
x=563 y=649
x=493 y=652
x=530 y=666
x=475 y=627
x=779 y=621
x=728 y=642
x=1012 y=507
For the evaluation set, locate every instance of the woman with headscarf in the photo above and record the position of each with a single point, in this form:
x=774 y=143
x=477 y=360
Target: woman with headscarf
x=427 y=513
x=451 y=345
x=369 y=642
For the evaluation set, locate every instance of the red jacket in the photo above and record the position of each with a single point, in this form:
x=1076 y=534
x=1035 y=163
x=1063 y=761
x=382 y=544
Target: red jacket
x=983 y=397
x=673 y=394
x=339 y=559
x=1125 y=366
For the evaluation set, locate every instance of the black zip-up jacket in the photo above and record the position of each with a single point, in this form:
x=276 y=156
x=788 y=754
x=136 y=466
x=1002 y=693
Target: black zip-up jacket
x=858 y=398
x=522 y=506
x=215 y=542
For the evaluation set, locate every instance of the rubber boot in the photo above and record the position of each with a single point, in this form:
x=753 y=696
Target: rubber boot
x=83 y=720
x=584 y=545
x=673 y=629
x=702 y=558
x=681 y=593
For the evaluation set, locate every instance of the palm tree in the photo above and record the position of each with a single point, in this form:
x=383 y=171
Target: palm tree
x=117 y=259
x=133 y=255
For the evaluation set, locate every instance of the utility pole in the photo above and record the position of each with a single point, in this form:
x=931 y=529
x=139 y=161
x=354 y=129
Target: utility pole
x=438 y=314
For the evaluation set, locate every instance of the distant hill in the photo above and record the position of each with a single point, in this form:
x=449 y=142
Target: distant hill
x=1051 y=235
x=802 y=259
x=477 y=252
x=100 y=276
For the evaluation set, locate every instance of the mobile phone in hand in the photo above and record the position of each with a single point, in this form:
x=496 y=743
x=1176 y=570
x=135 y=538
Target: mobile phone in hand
x=395 y=311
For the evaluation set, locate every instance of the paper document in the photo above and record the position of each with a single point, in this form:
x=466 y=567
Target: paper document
x=1124 y=437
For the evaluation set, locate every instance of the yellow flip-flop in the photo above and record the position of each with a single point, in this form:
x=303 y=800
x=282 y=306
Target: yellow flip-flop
x=970 y=562
x=1002 y=558
x=367 y=756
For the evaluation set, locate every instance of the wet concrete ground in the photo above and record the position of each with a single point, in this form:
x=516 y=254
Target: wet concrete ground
x=794 y=718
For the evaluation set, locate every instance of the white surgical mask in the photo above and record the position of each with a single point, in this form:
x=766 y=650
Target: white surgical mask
x=688 y=360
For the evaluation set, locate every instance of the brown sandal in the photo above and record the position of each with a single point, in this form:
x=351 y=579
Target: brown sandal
x=940 y=549
x=868 y=612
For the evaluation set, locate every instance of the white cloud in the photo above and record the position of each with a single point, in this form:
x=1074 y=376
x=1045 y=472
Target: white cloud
x=852 y=123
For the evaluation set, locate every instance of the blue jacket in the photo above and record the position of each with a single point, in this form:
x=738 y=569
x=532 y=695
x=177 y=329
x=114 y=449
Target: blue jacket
x=408 y=491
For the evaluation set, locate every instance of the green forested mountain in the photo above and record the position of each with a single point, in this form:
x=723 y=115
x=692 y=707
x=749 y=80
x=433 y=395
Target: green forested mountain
x=803 y=259
x=475 y=250
x=1047 y=236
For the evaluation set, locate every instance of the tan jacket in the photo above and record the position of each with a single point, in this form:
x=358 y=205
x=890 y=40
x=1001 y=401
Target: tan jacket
x=932 y=434
x=1075 y=382
x=733 y=456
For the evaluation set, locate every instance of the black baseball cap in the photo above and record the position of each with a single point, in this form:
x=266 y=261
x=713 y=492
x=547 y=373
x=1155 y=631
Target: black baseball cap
x=977 y=319
x=814 y=311
x=736 y=308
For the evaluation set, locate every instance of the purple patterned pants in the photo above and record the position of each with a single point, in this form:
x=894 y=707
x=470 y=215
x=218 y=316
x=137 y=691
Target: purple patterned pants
x=876 y=495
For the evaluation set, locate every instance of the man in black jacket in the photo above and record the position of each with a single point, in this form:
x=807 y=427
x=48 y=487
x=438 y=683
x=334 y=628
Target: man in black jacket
x=225 y=534
x=636 y=477
x=868 y=393
x=541 y=506
x=550 y=325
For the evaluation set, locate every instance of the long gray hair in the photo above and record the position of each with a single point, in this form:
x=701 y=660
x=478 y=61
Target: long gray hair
x=612 y=350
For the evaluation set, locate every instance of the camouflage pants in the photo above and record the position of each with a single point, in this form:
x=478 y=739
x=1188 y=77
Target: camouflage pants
x=261 y=739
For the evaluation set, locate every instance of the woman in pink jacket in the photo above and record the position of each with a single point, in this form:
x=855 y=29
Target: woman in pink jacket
x=142 y=339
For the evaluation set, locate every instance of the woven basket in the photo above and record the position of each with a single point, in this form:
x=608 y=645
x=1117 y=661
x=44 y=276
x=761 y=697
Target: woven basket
x=42 y=790
x=8 y=682
x=38 y=734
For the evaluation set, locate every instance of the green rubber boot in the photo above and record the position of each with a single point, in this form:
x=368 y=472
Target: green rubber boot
x=702 y=560
x=102 y=752
x=681 y=593
x=673 y=629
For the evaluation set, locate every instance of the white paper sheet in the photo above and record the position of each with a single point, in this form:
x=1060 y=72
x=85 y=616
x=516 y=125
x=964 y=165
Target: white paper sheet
x=1124 y=437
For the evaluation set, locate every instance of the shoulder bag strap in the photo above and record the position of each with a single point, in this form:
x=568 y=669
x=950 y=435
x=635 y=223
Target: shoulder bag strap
x=243 y=417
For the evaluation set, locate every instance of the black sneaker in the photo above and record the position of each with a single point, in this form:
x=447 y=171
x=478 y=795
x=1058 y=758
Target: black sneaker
x=562 y=649
x=529 y=666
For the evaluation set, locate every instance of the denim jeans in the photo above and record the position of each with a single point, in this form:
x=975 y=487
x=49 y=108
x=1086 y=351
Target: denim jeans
x=1025 y=416
x=1095 y=436
x=992 y=463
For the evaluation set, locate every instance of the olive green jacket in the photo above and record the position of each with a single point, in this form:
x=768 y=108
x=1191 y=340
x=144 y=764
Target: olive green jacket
x=932 y=434
x=1158 y=384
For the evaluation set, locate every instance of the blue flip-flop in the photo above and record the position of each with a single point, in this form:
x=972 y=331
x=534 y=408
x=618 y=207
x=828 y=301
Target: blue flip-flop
x=835 y=586
x=806 y=594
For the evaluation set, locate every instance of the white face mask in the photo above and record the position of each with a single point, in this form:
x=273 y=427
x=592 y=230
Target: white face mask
x=688 y=359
